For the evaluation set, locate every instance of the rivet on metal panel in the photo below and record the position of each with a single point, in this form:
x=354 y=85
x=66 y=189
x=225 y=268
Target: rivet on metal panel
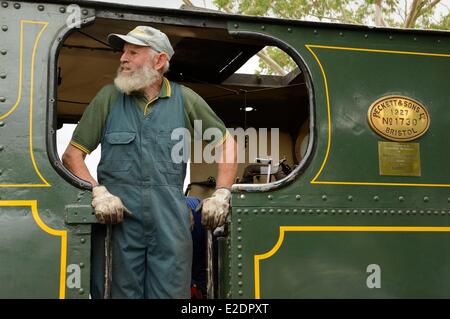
x=341 y=34
x=392 y=211
x=415 y=39
x=246 y=211
x=438 y=41
x=385 y=211
x=239 y=256
x=81 y=291
x=239 y=247
x=436 y=212
x=238 y=210
x=318 y=211
x=40 y=7
x=340 y=211
x=270 y=197
x=5 y=4
x=377 y=211
x=363 y=211
x=236 y=25
x=3 y=52
x=240 y=283
x=286 y=211
x=17 y=5
x=347 y=211
x=239 y=238
x=240 y=292
x=239 y=274
x=316 y=32
x=239 y=265
x=442 y=212
x=279 y=211
x=376 y=198
x=421 y=212
x=239 y=220
x=426 y=199
x=414 y=212
x=401 y=198
x=2 y=123
x=242 y=196
x=408 y=211
x=289 y=30
x=333 y=211
x=239 y=229
x=81 y=265
x=298 y=197
x=366 y=35
x=303 y=211
x=85 y=12
x=355 y=211
x=4 y=27
x=3 y=76
x=428 y=212
x=263 y=27
x=82 y=240
x=2 y=148
x=324 y=197
x=255 y=211
x=271 y=210
x=295 y=210
x=399 y=212
x=1 y=172
x=325 y=211
x=370 y=212
x=263 y=210
x=2 y=99
x=391 y=37
x=62 y=10
x=350 y=197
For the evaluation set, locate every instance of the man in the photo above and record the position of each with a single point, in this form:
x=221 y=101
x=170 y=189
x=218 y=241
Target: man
x=133 y=120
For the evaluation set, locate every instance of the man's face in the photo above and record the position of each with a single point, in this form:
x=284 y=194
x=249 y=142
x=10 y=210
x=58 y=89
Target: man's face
x=133 y=58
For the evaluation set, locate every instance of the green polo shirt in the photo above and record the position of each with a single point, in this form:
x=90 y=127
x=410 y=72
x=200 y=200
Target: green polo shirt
x=88 y=133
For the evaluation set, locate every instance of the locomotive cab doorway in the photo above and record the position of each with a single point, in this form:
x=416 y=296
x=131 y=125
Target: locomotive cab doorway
x=224 y=70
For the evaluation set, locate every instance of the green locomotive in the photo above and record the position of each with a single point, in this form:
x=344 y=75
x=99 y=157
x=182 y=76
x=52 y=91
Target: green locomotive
x=358 y=207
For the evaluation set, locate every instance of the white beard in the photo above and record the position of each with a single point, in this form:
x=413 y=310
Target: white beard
x=136 y=81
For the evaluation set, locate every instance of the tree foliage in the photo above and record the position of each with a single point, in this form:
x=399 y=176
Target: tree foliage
x=425 y=14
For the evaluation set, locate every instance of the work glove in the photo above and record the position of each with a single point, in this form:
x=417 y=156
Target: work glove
x=215 y=208
x=109 y=209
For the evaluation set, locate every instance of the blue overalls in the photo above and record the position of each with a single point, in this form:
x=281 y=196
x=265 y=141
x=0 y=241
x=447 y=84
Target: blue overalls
x=152 y=250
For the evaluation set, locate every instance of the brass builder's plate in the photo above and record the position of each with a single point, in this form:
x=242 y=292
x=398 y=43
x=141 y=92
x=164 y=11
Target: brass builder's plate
x=399 y=159
x=398 y=118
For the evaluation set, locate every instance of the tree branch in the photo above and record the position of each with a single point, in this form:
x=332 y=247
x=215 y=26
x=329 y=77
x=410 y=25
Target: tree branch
x=188 y=3
x=379 y=21
x=412 y=12
x=271 y=63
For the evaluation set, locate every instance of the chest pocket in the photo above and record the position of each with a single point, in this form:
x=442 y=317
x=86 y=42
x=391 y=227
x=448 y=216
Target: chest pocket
x=118 y=150
x=120 y=138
